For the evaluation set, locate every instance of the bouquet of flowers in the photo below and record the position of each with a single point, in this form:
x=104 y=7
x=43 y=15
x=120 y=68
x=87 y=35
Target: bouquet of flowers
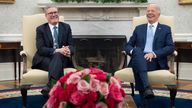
x=88 y=88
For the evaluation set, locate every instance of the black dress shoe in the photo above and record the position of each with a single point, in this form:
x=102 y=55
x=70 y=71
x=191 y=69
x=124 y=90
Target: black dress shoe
x=45 y=92
x=148 y=93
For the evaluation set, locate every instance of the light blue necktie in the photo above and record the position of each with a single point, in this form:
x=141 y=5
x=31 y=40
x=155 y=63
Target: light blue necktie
x=55 y=34
x=149 y=40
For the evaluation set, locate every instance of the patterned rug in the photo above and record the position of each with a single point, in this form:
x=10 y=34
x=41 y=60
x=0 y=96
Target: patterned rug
x=184 y=94
x=9 y=93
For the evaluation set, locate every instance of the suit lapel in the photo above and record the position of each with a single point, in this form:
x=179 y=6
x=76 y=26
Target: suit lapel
x=157 y=32
x=49 y=34
x=61 y=31
x=144 y=33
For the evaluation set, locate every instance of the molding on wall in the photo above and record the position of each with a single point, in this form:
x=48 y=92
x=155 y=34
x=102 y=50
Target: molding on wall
x=183 y=37
x=44 y=3
x=97 y=11
x=10 y=37
x=18 y=37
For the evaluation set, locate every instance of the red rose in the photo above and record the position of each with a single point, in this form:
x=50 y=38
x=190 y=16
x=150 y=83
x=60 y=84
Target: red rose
x=122 y=92
x=115 y=92
x=110 y=102
x=101 y=77
x=96 y=71
x=71 y=88
x=77 y=98
x=92 y=96
x=58 y=91
x=64 y=96
x=65 y=77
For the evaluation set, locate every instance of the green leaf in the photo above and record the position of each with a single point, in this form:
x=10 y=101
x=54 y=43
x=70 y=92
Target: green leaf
x=87 y=78
x=108 y=77
x=65 y=86
x=101 y=97
x=68 y=105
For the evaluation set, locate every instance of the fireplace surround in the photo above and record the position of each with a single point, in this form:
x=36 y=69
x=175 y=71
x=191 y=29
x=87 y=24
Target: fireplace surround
x=101 y=51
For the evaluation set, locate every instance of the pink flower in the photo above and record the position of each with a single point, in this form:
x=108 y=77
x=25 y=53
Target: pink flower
x=83 y=86
x=85 y=72
x=52 y=102
x=58 y=84
x=101 y=105
x=65 y=77
x=77 y=98
x=94 y=84
x=74 y=78
x=115 y=81
x=115 y=93
x=104 y=88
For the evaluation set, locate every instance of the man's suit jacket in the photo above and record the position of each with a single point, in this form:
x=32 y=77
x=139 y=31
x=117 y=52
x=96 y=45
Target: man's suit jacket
x=44 y=41
x=162 y=44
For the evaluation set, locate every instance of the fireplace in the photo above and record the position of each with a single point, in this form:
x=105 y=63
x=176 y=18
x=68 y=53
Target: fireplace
x=101 y=51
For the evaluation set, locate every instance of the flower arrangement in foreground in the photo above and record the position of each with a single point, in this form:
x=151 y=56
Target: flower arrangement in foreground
x=88 y=88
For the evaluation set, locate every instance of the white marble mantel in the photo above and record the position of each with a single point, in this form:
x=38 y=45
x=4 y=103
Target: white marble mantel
x=97 y=11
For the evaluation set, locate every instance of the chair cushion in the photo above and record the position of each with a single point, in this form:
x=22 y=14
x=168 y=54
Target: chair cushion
x=39 y=77
x=155 y=77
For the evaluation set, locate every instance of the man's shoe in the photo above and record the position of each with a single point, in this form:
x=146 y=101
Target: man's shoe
x=45 y=92
x=148 y=93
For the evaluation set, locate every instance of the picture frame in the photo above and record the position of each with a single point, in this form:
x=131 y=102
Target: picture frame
x=185 y=2
x=7 y=1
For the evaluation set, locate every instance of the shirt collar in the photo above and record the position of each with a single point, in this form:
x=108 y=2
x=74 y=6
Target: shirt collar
x=51 y=26
x=154 y=24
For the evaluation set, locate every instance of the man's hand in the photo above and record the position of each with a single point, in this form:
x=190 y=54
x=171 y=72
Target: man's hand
x=149 y=56
x=64 y=50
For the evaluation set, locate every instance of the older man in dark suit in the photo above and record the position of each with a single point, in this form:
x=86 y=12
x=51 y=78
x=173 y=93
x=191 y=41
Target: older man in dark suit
x=149 y=47
x=54 y=45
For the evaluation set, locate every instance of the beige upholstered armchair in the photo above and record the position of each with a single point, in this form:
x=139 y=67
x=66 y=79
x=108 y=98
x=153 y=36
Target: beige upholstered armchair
x=32 y=76
x=165 y=77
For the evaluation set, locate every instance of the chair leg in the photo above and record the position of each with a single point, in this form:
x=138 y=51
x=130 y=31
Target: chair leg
x=173 y=93
x=23 y=90
x=132 y=88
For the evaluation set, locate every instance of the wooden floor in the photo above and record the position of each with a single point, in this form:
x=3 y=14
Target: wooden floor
x=182 y=85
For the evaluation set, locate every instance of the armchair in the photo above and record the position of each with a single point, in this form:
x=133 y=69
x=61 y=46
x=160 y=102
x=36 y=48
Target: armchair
x=165 y=77
x=33 y=76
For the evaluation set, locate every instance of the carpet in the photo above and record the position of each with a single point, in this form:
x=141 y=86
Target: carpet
x=12 y=98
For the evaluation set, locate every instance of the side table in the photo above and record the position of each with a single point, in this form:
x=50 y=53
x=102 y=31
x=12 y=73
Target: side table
x=15 y=46
x=179 y=45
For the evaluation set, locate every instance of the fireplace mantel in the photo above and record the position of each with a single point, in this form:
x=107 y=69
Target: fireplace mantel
x=96 y=11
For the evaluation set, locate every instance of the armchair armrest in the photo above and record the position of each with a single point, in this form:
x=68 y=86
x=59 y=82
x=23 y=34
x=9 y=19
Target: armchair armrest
x=74 y=62
x=23 y=54
x=123 y=59
x=171 y=60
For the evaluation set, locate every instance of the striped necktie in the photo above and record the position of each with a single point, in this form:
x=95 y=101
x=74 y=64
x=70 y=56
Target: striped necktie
x=55 y=34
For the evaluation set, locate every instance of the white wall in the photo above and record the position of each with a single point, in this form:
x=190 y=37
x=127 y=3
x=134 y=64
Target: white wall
x=11 y=14
x=11 y=23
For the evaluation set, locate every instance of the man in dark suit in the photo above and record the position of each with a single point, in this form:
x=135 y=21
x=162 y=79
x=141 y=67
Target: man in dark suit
x=54 y=45
x=149 y=47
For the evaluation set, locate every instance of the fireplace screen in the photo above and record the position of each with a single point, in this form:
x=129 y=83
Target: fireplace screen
x=103 y=52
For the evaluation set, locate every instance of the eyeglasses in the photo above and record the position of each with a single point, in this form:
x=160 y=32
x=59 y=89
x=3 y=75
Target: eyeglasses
x=51 y=13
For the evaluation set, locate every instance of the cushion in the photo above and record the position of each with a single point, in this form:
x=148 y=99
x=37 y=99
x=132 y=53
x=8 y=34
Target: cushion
x=155 y=77
x=39 y=77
